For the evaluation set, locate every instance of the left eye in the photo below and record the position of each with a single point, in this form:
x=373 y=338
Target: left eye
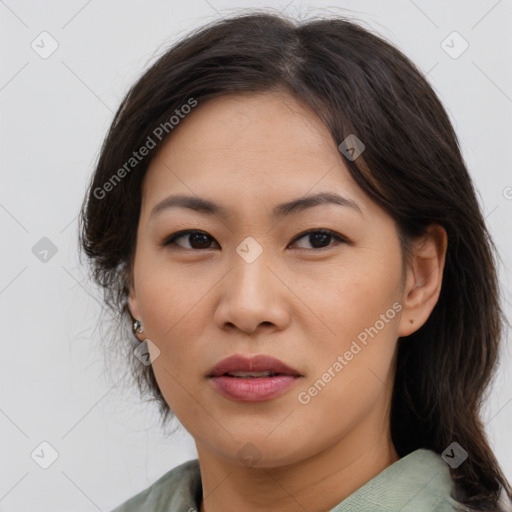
x=318 y=238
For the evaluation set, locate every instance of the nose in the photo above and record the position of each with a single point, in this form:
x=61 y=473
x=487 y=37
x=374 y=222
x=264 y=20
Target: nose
x=252 y=297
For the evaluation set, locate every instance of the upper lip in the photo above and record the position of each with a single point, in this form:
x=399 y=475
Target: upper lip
x=258 y=363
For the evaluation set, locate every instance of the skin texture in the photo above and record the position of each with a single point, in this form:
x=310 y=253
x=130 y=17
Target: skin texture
x=299 y=303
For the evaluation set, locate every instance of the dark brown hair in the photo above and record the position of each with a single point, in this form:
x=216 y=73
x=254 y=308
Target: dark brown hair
x=357 y=83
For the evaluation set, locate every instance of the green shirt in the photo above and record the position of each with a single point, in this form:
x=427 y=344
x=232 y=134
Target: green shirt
x=418 y=482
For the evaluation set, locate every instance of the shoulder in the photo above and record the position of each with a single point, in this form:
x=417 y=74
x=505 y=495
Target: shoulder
x=419 y=482
x=428 y=475
x=175 y=491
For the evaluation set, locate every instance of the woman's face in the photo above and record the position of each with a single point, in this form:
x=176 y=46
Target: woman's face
x=253 y=283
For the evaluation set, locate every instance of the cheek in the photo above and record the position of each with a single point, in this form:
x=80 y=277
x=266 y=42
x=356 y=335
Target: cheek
x=352 y=297
x=359 y=312
x=168 y=296
x=172 y=300
x=170 y=308
x=353 y=372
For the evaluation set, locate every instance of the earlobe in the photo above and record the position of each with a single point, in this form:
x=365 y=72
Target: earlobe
x=424 y=279
x=133 y=307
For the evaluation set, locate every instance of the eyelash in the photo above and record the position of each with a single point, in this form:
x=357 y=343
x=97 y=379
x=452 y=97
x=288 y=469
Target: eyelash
x=170 y=241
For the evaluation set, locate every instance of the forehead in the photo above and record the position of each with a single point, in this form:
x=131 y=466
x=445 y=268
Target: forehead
x=249 y=145
x=252 y=120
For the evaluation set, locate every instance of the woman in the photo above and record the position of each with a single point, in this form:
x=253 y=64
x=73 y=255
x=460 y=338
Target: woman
x=282 y=214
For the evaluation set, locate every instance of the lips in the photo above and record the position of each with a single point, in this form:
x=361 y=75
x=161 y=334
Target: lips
x=260 y=366
x=252 y=379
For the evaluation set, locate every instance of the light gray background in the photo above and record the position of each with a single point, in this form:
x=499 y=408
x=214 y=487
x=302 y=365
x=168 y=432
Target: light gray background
x=54 y=115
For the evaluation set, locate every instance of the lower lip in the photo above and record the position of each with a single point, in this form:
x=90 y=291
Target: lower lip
x=253 y=390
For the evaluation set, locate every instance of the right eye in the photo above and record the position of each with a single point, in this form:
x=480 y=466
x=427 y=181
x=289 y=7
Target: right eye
x=196 y=239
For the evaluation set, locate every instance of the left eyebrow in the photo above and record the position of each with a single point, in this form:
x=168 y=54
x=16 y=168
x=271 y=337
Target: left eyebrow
x=301 y=204
x=295 y=206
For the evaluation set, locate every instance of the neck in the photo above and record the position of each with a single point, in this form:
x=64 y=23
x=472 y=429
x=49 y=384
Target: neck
x=316 y=483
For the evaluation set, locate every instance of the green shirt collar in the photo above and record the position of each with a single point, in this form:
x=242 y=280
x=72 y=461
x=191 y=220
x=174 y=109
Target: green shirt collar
x=418 y=482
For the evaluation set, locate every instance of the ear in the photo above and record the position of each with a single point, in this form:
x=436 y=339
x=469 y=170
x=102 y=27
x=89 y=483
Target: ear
x=133 y=304
x=424 y=275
